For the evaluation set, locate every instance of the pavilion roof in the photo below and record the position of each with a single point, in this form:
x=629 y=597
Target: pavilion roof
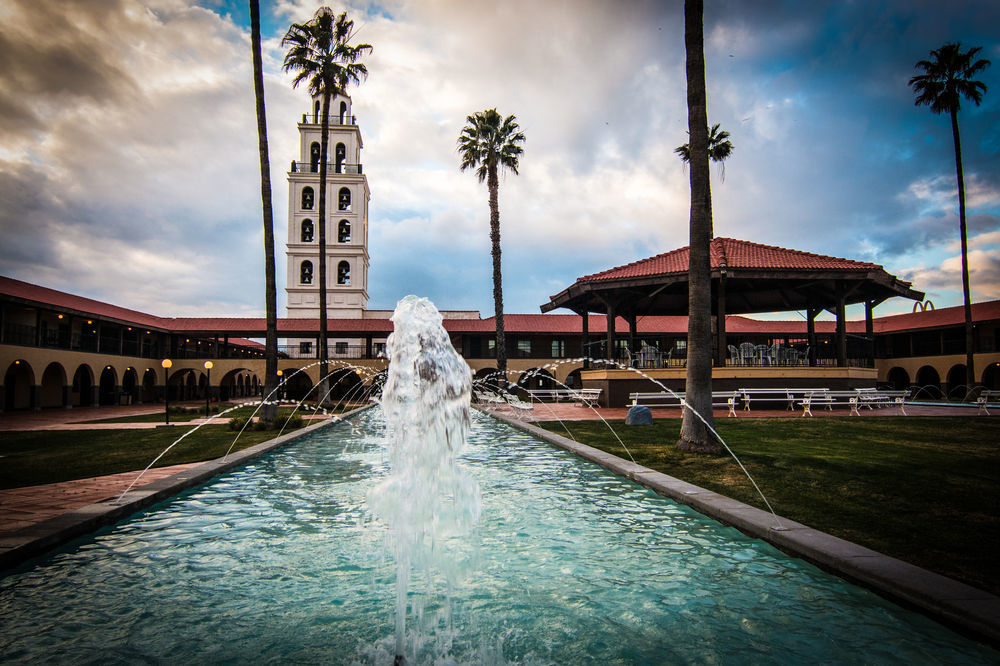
x=757 y=277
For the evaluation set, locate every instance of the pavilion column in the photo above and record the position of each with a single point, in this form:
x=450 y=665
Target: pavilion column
x=811 y=334
x=611 y=333
x=585 y=342
x=631 y=333
x=720 y=327
x=841 y=331
x=870 y=332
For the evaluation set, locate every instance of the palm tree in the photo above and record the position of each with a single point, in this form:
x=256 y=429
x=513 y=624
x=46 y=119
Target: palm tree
x=487 y=143
x=320 y=53
x=945 y=81
x=695 y=435
x=720 y=148
x=268 y=412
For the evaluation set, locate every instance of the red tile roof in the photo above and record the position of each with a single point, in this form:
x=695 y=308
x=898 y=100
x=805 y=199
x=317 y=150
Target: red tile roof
x=733 y=254
x=951 y=316
x=61 y=300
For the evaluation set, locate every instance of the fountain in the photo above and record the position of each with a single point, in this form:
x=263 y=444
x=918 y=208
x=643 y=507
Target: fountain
x=428 y=499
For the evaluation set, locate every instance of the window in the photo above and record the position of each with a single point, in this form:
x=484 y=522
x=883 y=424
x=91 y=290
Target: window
x=343 y=112
x=314 y=157
x=344 y=232
x=558 y=348
x=344 y=199
x=341 y=155
x=305 y=347
x=524 y=347
x=307 y=231
x=340 y=347
x=343 y=273
x=306 y=272
x=317 y=108
x=307 y=198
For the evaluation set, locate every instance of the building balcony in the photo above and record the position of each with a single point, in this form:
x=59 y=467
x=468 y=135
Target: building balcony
x=331 y=167
x=317 y=119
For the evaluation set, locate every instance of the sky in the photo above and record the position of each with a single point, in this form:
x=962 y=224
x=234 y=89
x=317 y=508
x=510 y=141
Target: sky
x=129 y=169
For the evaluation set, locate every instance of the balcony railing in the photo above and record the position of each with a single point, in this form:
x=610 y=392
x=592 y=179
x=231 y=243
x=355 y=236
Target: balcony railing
x=317 y=118
x=331 y=167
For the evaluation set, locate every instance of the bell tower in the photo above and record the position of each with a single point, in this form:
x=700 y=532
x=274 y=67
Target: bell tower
x=346 y=217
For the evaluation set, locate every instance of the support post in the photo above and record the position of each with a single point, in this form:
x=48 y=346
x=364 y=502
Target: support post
x=611 y=334
x=811 y=334
x=720 y=327
x=631 y=333
x=841 y=332
x=870 y=332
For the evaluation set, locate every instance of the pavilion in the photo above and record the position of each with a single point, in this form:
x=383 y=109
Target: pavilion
x=746 y=278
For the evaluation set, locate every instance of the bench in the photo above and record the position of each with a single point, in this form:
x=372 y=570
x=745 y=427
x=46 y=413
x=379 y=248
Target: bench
x=787 y=394
x=829 y=399
x=586 y=397
x=675 y=399
x=984 y=399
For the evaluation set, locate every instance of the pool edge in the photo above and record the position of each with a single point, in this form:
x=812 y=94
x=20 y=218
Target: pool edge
x=35 y=540
x=967 y=609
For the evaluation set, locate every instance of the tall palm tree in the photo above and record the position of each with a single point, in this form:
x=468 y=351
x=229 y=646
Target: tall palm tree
x=947 y=78
x=268 y=412
x=695 y=435
x=489 y=143
x=321 y=54
x=720 y=148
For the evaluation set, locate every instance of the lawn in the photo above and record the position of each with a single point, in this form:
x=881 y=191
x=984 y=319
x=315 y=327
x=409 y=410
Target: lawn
x=922 y=489
x=184 y=415
x=29 y=458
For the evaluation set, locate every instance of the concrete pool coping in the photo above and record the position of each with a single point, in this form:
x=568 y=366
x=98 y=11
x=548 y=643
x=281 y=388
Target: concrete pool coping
x=34 y=540
x=962 y=607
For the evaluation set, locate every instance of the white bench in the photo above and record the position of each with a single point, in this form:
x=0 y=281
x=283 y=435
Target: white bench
x=675 y=399
x=787 y=394
x=829 y=399
x=985 y=398
x=587 y=397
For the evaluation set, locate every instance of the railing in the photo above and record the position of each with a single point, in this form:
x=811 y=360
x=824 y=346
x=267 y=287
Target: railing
x=317 y=119
x=332 y=167
x=334 y=351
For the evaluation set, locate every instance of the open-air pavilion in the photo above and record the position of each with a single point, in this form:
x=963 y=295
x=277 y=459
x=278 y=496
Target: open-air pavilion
x=746 y=278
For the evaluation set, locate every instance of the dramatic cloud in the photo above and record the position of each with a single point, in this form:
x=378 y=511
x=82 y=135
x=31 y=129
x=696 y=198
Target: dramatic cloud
x=128 y=148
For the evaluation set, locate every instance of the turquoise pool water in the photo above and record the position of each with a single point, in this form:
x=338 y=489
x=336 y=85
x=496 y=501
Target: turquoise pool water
x=281 y=562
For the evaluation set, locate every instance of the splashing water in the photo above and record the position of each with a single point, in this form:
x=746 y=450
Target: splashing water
x=428 y=500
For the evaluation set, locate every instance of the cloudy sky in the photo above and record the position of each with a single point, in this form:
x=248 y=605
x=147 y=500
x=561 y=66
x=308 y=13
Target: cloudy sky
x=128 y=146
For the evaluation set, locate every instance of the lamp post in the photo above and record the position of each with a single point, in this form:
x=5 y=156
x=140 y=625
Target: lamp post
x=208 y=384
x=166 y=363
x=280 y=388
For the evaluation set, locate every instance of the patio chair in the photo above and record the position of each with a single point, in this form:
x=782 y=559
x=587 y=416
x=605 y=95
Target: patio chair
x=748 y=353
x=734 y=354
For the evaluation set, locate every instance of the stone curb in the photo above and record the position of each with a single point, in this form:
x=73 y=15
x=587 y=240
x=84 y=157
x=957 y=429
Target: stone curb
x=37 y=539
x=957 y=605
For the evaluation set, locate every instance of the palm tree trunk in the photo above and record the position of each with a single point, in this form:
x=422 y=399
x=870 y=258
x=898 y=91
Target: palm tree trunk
x=268 y=412
x=970 y=370
x=324 y=145
x=494 y=186
x=695 y=435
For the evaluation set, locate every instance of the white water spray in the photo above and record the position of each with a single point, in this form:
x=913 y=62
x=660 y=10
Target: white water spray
x=428 y=499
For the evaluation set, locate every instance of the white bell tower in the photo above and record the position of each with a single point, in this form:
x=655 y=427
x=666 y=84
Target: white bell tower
x=346 y=217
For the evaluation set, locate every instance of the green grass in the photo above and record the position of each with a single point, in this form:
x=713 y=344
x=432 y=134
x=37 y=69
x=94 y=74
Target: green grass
x=29 y=458
x=187 y=415
x=923 y=489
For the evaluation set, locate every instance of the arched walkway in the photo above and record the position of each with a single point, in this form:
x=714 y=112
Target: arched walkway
x=108 y=392
x=898 y=379
x=957 y=388
x=928 y=383
x=17 y=383
x=536 y=378
x=83 y=386
x=53 y=388
x=991 y=377
x=149 y=385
